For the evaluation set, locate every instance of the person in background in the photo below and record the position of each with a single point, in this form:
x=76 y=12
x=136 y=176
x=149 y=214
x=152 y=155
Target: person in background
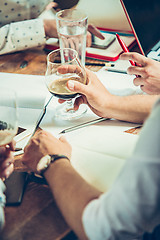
x=6 y=168
x=20 y=27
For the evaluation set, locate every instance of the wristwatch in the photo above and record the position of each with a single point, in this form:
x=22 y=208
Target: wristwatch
x=45 y=162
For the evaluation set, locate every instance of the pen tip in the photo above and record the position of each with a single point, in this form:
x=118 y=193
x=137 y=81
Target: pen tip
x=62 y=132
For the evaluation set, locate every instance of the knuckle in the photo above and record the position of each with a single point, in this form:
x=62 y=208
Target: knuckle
x=146 y=71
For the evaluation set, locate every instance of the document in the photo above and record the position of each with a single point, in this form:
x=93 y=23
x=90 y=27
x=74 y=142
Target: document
x=118 y=83
x=31 y=94
x=30 y=89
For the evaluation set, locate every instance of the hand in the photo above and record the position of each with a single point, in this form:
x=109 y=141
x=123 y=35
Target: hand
x=147 y=69
x=50 y=29
x=44 y=143
x=93 y=30
x=94 y=93
x=6 y=160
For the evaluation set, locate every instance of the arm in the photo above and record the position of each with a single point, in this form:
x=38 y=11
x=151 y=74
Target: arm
x=70 y=201
x=148 y=70
x=133 y=108
x=21 y=35
x=133 y=202
x=129 y=209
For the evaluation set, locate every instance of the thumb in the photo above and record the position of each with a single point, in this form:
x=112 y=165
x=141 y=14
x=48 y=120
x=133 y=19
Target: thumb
x=76 y=86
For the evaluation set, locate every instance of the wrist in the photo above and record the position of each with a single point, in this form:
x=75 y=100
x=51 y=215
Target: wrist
x=56 y=168
x=45 y=27
x=45 y=162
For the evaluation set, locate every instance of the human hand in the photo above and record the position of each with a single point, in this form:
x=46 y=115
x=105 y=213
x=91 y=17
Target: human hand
x=44 y=143
x=148 y=70
x=93 y=30
x=94 y=93
x=6 y=160
x=50 y=28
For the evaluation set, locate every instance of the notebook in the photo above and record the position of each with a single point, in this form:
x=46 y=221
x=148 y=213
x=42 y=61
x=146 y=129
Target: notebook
x=144 y=19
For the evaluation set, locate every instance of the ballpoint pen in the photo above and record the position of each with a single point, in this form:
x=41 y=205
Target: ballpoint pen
x=84 y=125
x=124 y=47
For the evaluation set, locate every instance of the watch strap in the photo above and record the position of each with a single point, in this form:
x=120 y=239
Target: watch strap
x=54 y=157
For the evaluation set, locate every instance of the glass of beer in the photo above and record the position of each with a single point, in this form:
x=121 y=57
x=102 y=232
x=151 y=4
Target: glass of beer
x=57 y=82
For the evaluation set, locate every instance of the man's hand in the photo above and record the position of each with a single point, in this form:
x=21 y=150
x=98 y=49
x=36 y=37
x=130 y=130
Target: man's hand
x=94 y=93
x=44 y=143
x=6 y=160
x=147 y=69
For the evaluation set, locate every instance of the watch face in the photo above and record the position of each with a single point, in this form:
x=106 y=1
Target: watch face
x=43 y=163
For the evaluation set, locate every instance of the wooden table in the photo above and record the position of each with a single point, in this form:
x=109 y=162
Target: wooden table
x=37 y=217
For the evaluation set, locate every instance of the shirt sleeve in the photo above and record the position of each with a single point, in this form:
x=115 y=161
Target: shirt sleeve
x=22 y=35
x=2 y=204
x=132 y=206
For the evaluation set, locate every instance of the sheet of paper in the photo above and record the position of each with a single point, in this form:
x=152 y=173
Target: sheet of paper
x=106 y=137
x=30 y=89
x=31 y=94
x=118 y=84
x=98 y=169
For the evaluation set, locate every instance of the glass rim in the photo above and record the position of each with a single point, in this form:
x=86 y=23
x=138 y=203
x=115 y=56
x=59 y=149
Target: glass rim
x=58 y=50
x=71 y=10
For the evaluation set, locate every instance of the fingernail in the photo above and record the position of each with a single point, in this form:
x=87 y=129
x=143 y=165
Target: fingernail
x=71 y=85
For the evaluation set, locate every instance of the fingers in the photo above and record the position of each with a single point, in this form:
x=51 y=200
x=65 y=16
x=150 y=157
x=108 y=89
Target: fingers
x=139 y=71
x=7 y=171
x=75 y=86
x=92 y=29
x=136 y=57
x=6 y=165
x=69 y=69
x=138 y=81
x=61 y=100
x=12 y=145
x=89 y=39
x=73 y=69
x=63 y=139
x=78 y=101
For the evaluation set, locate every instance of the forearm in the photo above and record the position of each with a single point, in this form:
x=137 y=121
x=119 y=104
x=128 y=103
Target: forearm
x=50 y=28
x=133 y=202
x=22 y=35
x=134 y=108
x=71 y=193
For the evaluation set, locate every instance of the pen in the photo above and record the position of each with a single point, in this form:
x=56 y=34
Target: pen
x=83 y=125
x=95 y=64
x=100 y=64
x=116 y=71
x=124 y=47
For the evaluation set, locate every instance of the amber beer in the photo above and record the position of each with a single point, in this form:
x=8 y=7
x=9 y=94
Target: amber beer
x=59 y=87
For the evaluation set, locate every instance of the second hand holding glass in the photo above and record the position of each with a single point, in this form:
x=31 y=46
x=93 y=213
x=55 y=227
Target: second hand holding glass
x=57 y=83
